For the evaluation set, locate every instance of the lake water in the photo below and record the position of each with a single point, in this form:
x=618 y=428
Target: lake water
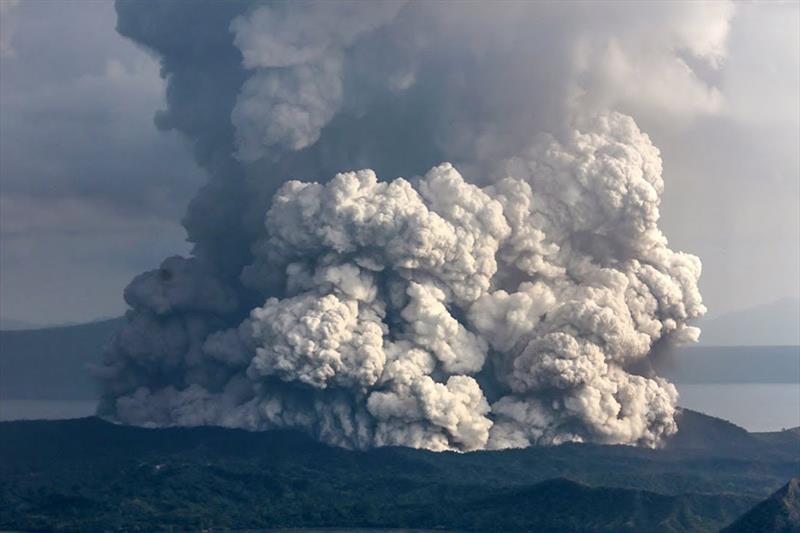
x=754 y=406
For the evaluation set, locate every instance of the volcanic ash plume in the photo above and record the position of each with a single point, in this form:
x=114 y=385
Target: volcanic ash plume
x=518 y=307
x=404 y=304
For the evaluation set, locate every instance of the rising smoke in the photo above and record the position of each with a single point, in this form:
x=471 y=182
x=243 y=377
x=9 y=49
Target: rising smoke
x=508 y=290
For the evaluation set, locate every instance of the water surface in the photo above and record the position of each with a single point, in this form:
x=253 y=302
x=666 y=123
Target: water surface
x=754 y=406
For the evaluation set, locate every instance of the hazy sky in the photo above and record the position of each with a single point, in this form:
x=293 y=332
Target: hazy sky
x=91 y=193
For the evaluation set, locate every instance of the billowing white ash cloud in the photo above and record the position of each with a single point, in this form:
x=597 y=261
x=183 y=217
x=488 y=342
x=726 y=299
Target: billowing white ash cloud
x=507 y=291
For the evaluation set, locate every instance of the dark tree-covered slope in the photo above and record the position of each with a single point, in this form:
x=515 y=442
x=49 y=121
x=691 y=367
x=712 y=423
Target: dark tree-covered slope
x=87 y=474
x=780 y=513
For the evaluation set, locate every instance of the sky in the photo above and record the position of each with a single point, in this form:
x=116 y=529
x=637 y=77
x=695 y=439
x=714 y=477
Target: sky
x=92 y=193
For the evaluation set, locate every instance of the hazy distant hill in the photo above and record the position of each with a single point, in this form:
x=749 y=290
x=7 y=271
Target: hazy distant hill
x=780 y=513
x=9 y=324
x=772 y=324
x=51 y=363
x=86 y=475
x=731 y=364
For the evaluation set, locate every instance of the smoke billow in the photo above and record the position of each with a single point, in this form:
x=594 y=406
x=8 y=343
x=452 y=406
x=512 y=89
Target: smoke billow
x=506 y=291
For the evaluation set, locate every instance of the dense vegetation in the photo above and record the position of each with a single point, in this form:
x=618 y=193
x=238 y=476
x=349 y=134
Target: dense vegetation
x=780 y=513
x=88 y=474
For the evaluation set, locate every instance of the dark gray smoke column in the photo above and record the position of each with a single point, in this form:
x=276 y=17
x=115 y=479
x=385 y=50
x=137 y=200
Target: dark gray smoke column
x=497 y=300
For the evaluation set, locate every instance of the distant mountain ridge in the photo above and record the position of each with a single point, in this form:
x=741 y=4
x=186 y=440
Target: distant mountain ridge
x=11 y=324
x=730 y=364
x=52 y=363
x=773 y=324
